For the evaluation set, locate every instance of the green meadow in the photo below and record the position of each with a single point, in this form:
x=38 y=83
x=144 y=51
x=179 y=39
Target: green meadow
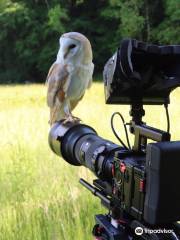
x=40 y=197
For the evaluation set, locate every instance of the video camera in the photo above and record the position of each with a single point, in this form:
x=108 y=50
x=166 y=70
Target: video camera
x=139 y=185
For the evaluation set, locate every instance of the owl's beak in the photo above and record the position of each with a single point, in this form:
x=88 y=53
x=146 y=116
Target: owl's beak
x=65 y=54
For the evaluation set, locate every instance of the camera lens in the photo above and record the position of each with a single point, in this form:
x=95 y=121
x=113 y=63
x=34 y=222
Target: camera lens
x=96 y=154
x=79 y=144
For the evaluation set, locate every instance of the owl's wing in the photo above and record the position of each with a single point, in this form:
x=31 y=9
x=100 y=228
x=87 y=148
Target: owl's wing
x=56 y=79
x=73 y=103
x=91 y=70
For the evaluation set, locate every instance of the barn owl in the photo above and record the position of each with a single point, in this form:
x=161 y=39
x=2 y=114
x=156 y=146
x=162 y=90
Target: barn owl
x=69 y=76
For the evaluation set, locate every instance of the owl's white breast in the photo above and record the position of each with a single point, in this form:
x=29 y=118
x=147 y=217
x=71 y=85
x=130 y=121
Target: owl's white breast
x=79 y=81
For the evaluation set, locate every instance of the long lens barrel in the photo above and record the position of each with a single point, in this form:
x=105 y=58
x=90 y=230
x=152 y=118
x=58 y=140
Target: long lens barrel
x=79 y=144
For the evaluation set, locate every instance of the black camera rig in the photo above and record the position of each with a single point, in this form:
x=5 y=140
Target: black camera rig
x=138 y=185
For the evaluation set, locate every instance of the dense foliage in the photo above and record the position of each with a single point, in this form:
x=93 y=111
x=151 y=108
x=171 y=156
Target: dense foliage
x=30 y=30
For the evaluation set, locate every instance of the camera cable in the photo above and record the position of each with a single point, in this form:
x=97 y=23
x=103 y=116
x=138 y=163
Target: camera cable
x=167 y=117
x=125 y=129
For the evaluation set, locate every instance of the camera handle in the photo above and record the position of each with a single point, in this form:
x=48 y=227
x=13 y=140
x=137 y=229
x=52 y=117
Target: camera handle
x=142 y=131
x=107 y=227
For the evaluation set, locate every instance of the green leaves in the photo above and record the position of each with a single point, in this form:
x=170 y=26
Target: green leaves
x=132 y=23
x=168 y=31
x=57 y=15
x=30 y=30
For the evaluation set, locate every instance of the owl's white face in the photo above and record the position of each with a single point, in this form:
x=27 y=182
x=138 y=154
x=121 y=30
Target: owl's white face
x=69 y=51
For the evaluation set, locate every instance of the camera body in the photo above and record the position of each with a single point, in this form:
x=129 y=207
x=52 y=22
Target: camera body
x=146 y=185
x=139 y=187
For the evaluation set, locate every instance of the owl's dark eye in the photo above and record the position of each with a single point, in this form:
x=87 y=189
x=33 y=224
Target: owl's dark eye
x=72 y=46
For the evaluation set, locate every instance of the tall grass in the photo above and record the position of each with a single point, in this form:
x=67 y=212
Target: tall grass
x=40 y=198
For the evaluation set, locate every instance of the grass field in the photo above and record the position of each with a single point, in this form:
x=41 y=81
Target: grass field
x=40 y=197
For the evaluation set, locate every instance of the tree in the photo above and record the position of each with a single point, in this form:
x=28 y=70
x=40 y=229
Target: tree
x=167 y=31
x=30 y=30
x=28 y=41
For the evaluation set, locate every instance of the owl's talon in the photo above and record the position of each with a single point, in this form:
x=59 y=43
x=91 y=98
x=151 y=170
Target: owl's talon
x=71 y=119
x=76 y=119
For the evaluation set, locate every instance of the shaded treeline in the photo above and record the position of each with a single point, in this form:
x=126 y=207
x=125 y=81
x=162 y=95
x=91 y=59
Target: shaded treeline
x=30 y=30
